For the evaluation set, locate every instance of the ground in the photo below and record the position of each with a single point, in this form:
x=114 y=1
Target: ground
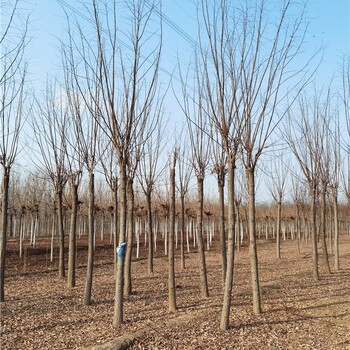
x=40 y=312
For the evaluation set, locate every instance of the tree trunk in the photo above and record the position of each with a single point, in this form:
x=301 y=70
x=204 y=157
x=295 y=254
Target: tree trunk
x=150 y=233
x=221 y=183
x=171 y=260
x=61 y=263
x=91 y=234
x=226 y=306
x=314 y=232
x=115 y=224
x=3 y=234
x=336 y=228
x=73 y=234
x=278 y=233
x=252 y=241
x=323 y=228
x=182 y=247
x=119 y=280
x=130 y=238
x=202 y=265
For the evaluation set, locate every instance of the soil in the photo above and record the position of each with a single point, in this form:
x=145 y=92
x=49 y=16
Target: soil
x=40 y=312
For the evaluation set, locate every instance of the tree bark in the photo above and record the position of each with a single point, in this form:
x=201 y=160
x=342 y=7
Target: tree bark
x=149 y=233
x=182 y=244
x=3 y=234
x=336 y=228
x=72 y=234
x=130 y=238
x=323 y=228
x=171 y=260
x=252 y=241
x=278 y=233
x=119 y=280
x=221 y=183
x=61 y=262
x=202 y=265
x=226 y=306
x=115 y=223
x=91 y=234
x=314 y=232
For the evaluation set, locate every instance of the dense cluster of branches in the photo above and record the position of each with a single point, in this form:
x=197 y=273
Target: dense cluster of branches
x=106 y=115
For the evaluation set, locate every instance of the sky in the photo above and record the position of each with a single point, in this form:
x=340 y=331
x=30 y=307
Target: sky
x=329 y=28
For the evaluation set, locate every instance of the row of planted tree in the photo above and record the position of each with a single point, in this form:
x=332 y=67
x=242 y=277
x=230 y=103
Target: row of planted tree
x=33 y=214
x=244 y=95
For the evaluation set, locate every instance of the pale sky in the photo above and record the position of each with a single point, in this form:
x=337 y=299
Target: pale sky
x=329 y=26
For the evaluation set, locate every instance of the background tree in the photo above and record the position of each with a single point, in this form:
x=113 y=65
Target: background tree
x=13 y=40
x=277 y=188
x=86 y=125
x=184 y=177
x=305 y=138
x=49 y=128
x=108 y=163
x=193 y=107
x=335 y=166
x=325 y=162
x=149 y=171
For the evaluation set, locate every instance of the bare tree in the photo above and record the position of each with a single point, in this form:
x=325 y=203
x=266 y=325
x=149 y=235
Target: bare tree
x=325 y=163
x=85 y=123
x=49 y=127
x=74 y=168
x=126 y=76
x=193 y=107
x=335 y=172
x=13 y=39
x=223 y=100
x=266 y=51
x=108 y=162
x=304 y=134
x=184 y=174
x=149 y=171
x=277 y=188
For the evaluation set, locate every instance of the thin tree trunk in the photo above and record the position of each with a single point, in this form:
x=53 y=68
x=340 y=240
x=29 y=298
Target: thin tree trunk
x=336 y=228
x=91 y=234
x=226 y=306
x=73 y=235
x=222 y=226
x=130 y=238
x=314 y=233
x=119 y=280
x=150 y=233
x=278 y=233
x=323 y=229
x=61 y=263
x=202 y=265
x=115 y=224
x=182 y=248
x=171 y=260
x=252 y=242
x=3 y=234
